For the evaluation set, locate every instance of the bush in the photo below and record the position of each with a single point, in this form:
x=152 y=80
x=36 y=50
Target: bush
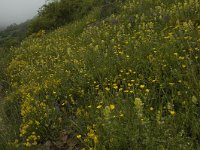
x=58 y=13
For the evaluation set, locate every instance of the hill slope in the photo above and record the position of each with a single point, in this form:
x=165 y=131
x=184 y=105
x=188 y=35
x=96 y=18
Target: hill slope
x=130 y=81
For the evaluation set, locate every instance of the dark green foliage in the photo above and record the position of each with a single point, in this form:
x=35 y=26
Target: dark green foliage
x=58 y=13
x=108 y=7
x=13 y=34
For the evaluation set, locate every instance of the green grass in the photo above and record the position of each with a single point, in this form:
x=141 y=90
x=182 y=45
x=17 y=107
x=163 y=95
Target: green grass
x=130 y=81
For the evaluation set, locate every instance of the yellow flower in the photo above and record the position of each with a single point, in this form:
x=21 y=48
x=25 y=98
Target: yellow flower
x=129 y=84
x=78 y=136
x=126 y=91
x=97 y=87
x=120 y=89
x=194 y=99
x=130 y=70
x=131 y=91
x=115 y=86
x=147 y=90
x=99 y=106
x=121 y=115
x=171 y=84
x=181 y=58
x=107 y=89
x=112 y=106
x=183 y=66
x=151 y=108
x=95 y=139
x=91 y=133
x=172 y=112
x=27 y=144
x=142 y=86
x=132 y=81
x=176 y=54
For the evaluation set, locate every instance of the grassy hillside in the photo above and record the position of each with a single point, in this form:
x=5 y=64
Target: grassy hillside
x=130 y=81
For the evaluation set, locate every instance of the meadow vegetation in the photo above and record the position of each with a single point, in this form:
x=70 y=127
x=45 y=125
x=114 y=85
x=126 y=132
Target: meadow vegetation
x=128 y=81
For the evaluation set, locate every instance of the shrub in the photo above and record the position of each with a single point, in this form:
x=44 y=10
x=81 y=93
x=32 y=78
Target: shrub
x=57 y=13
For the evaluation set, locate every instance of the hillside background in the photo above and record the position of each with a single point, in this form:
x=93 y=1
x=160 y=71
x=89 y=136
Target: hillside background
x=95 y=75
